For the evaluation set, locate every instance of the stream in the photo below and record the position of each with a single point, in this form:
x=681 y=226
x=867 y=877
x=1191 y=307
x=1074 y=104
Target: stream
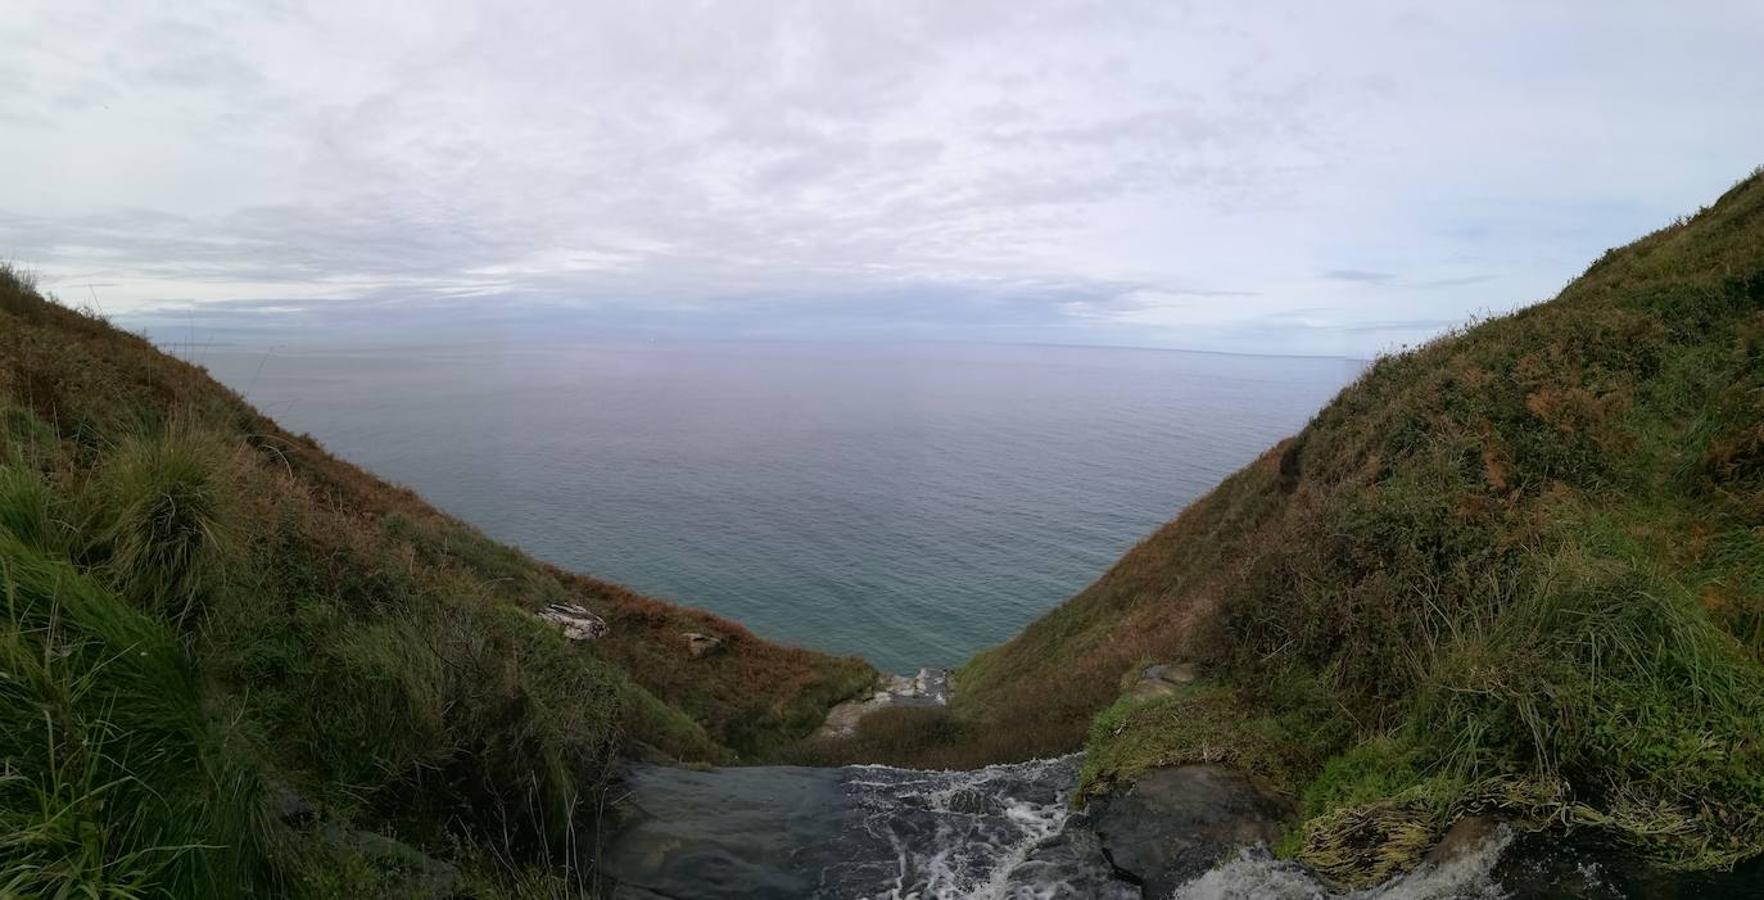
x=1008 y=831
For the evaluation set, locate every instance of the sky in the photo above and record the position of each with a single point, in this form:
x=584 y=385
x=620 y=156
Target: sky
x=1331 y=178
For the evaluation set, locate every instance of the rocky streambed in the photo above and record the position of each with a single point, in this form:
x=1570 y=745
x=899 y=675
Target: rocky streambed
x=1009 y=831
x=857 y=831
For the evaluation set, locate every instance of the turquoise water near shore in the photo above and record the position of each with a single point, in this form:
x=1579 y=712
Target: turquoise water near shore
x=912 y=504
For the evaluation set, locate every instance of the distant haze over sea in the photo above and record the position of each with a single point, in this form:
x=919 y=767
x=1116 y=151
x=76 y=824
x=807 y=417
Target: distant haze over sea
x=911 y=503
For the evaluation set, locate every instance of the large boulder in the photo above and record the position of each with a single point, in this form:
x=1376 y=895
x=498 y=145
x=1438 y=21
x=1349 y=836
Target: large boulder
x=1173 y=824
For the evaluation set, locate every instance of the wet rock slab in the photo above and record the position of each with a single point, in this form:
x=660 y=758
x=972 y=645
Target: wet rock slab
x=860 y=831
x=1172 y=825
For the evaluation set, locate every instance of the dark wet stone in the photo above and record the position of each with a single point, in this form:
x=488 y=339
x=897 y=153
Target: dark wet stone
x=971 y=802
x=861 y=831
x=1465 y=836
x=724 y=833
x=1069 y=859
x=1547 y=866
x=1173 y=824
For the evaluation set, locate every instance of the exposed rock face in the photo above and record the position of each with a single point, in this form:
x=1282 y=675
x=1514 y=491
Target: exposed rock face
x=1162 y=678
x=928 y=688
x=1174 y=824
x=576 y=622
x=700 y=644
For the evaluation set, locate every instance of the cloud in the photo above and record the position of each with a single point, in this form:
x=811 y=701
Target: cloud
x=1062 y=169
x=1359 y=276
x=1391 y=279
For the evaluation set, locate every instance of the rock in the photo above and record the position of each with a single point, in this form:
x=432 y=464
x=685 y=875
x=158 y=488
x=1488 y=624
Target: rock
x=400 y=869
x=1162 y=678
x=1466 y=836
x=931 y=686
x=843 y=718
x=1173 y=824
x=928 y=688
x=859 y=831
x=576 y=622
x=972 y=802
x=700 y=644
x=1064 y=867
x=287 y=805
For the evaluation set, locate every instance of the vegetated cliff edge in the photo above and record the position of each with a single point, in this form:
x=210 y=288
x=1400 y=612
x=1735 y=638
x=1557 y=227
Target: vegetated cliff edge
x=1519 y=569
x=233 y=664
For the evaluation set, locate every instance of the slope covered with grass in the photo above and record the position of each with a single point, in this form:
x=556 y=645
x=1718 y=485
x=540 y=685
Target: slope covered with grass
x=1520 y=568
x=210 y=625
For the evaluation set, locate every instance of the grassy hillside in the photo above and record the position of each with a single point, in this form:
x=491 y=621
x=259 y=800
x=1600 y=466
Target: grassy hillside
x=1520 y=568
x=211 y=624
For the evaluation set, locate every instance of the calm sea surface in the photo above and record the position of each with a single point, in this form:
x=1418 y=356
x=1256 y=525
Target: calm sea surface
x=909 y=503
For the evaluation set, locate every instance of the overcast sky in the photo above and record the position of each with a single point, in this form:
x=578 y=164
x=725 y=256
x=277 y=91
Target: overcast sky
x=1335 y=177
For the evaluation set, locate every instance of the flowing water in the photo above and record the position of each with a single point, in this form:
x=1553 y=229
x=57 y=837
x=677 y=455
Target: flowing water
x=1009 y=832
x=859 y=831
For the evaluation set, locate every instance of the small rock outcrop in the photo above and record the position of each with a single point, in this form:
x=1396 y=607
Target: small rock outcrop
x=1172 y=825
x=928 y=688
x=698 y=645
x=1162 y=678
x=576 y=622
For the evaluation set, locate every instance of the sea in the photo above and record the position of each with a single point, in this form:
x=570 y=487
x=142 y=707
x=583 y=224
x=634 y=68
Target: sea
x=908 y=503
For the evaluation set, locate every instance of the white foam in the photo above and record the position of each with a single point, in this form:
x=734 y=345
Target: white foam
x=1255 y=874
x=972 y=855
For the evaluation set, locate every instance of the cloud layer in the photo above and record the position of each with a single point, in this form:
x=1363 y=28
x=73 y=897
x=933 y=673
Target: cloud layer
x=1251 y=176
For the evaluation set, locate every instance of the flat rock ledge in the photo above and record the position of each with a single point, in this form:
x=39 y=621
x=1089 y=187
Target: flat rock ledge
x=928 y=688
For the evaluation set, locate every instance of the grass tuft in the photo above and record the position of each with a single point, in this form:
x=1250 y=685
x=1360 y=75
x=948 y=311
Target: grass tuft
x=159 y=518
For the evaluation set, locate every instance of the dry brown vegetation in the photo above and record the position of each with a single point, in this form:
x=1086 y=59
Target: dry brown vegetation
x=1530 y=552
x=315 y=629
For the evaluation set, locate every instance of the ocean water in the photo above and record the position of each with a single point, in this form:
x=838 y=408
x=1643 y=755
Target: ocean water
x=912 y=504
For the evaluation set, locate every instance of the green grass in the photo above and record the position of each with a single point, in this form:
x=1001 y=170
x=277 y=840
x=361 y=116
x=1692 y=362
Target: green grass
x=1524 y=561
x=1518 y=570
x=206 y=615
x=115 y=780
x=1281 y=740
